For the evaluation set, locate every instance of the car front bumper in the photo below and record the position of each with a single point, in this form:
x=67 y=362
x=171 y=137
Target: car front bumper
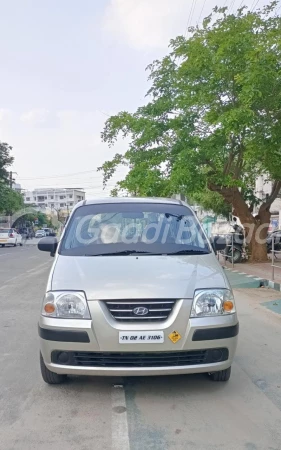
x=139 y=371
x=100 y=336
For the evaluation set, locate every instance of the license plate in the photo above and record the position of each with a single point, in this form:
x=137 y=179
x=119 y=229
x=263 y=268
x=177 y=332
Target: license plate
x=3 y=240
x=141 y=337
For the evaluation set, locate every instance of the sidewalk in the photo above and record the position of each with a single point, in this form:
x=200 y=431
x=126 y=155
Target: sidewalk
x=258 y=270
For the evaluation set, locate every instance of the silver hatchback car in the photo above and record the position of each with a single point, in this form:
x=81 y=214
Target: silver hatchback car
x=135 y=289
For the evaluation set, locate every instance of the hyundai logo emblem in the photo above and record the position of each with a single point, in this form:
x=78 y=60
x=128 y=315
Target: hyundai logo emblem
x=140 y=311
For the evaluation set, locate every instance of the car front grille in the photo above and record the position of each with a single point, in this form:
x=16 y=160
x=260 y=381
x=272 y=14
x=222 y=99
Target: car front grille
x=132 y=310
x=136 y=359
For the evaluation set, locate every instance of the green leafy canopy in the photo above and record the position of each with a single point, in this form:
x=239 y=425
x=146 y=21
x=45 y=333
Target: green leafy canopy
x=212 y=122
x=10 y=200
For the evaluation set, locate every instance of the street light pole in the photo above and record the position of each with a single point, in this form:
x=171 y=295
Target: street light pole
x=11 y=179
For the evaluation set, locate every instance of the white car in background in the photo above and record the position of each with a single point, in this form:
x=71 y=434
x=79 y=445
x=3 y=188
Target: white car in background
x=40 y=233
x=9 y=236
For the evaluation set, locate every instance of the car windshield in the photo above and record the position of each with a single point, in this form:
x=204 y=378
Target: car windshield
x=133 y=228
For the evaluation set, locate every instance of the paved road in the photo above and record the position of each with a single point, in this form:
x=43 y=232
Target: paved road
x=162 y=413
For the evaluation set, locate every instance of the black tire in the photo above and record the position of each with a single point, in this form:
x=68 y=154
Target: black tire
x=15 y=244
x=221 y=375
x=237 y=255
x=48 y=376
x=2 y=245
x=21 y=244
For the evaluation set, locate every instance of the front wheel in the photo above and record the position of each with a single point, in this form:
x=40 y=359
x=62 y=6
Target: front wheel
x=221 y=375
x=48 y=376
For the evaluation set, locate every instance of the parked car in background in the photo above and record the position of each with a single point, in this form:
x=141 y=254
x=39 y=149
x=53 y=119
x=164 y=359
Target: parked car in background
x=9 y=236
x=40 y=233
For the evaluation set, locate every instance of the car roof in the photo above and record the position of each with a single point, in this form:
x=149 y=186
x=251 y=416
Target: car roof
x=151 y=200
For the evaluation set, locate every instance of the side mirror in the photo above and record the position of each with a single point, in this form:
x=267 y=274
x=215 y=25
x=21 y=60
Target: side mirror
x=218 y=243
x=48 y=244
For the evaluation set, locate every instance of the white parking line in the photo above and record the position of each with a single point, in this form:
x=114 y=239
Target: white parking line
x=3 y=254
x=119 y=425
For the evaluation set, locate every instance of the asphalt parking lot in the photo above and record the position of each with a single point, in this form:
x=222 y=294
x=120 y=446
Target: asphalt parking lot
x=159 y=413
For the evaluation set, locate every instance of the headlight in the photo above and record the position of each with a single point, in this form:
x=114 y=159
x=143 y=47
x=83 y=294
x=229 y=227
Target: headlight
x=212 y=302
x=66 y=305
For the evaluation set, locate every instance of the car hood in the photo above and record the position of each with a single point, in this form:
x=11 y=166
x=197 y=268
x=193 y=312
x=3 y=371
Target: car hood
x=128 y=277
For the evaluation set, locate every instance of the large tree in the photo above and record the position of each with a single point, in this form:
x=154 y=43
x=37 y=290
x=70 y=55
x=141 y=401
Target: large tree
x=213 y=120
x=10 y=200
x=6 y=159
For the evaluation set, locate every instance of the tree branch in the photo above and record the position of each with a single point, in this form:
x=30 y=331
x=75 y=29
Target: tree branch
x=270 y=199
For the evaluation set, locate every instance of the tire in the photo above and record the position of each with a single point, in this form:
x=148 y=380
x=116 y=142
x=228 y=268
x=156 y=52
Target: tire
x=221 y=375
x=20 y=243
x=237 y=255
x=2 y=245
x=48 y=376
x=15 y=244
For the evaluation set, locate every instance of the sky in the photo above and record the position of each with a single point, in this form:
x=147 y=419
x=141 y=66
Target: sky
x=66 y=66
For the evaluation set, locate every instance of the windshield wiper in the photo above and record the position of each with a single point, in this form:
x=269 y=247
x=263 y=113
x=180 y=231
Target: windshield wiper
x=120 y=253
x=177 y=216
x=190 y=252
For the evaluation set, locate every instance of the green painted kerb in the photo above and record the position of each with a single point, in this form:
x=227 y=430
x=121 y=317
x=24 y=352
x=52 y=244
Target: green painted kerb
x=274 y=305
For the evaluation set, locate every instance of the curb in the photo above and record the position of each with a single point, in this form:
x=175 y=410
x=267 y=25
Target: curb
x=264 y=282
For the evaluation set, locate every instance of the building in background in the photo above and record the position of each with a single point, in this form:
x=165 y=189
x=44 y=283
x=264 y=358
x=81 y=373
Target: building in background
x=54 y=201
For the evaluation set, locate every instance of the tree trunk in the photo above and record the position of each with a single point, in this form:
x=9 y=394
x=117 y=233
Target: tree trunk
x=256 y=228
x=256 y=241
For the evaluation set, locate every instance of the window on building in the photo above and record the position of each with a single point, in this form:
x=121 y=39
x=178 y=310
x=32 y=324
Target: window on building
x=52 y=205
x=62 y=205
x=41 y=198
x=70 y=203
x=52 y=197
x=70 y=196
x=27 y=199
x=62 y=197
